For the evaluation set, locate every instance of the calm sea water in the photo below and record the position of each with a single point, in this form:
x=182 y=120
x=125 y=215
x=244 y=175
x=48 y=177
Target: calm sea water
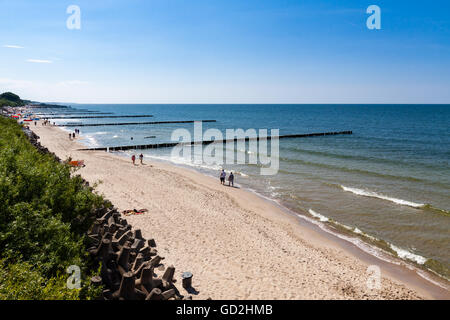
x=389 y=181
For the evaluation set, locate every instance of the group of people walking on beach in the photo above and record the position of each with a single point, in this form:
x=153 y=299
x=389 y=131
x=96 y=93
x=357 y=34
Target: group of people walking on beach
x=141 y=159
x=72 y=135
x=223 y=176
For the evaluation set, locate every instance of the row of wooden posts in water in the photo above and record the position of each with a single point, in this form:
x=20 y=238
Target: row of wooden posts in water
x=206 y=142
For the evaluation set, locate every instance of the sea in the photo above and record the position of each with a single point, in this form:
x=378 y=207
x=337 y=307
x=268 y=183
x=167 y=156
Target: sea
x=387 y=184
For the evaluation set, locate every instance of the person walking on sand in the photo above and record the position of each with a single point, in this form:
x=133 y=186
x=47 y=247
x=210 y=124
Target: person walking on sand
x=141 y=157
x=222 y=177
x=133 y=158
x=231 y=179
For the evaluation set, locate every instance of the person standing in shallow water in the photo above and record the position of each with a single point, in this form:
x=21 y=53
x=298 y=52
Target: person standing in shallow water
x=231 y=179
x=222 y=177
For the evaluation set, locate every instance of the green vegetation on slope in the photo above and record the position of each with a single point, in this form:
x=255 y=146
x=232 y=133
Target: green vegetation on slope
x=44 y=215
x=10 y=99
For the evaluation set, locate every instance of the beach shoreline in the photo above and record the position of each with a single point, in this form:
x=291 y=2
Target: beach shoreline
x=237 y=244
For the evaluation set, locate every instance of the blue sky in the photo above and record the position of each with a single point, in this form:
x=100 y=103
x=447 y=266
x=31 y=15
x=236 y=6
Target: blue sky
x=214 y=51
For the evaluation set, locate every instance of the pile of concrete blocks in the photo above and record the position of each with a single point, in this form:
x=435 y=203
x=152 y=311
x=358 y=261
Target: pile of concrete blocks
x=128 y=261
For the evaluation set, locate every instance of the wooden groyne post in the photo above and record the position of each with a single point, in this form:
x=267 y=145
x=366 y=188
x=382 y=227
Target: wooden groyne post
x=58 y=114
x=205 y=142
x=129 y=123
x=103 y=117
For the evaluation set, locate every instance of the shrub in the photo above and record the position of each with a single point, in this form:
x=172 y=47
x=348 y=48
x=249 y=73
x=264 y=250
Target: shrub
x=45 y=213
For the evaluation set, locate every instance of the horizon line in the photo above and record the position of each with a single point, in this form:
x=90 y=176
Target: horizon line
x=255 y=103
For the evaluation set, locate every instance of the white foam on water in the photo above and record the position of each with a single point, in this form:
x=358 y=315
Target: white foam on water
x=405 y=254
x=318 y=215
x=375 y=251
x=357 y=231
x=186 y=161
x=372 y=194
x=364 y=246
x=65 y=129
x=91 y=140
x=265 y=197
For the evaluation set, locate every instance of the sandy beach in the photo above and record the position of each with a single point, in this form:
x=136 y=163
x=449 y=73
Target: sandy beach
x=236 y=244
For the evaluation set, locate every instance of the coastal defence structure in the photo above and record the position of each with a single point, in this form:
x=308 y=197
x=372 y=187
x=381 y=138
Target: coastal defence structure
x=206 y=142
x=57 y=114
x=102 y=117
x=131 y=123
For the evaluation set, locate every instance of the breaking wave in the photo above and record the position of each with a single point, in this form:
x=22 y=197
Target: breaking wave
x=372 y=194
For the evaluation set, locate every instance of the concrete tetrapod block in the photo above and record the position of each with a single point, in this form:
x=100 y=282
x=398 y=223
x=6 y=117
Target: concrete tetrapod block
x=104 y=250
x=124 y=238
x=137 y=262
x=127 y=288
x=155 y=294
x=167 y=277
x=137 y=234
x=145 y=251
x=151 y=243
x=119 y=232
x=95 y=229
x=166 y=295
x=145 y=283
x=156 y=261
x=107 y=215
x=122 y=259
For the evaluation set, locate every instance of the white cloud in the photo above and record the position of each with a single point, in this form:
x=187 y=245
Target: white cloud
x=12 y=46
x=39 y=61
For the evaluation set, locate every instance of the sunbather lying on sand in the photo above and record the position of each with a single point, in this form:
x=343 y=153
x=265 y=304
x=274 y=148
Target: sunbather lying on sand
x=134 y=211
